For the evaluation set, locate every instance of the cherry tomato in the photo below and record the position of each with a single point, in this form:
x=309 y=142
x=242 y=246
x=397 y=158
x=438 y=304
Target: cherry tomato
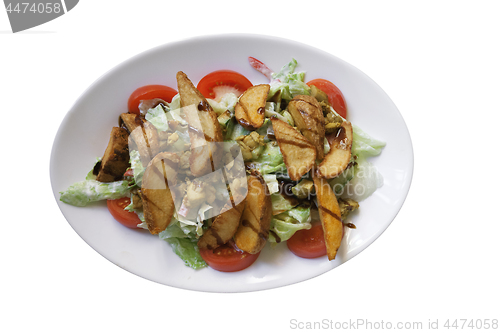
x=149 y=92
x=117 y=209
x=308 y=243
x=226 y=258
x=218 y=83
x=335 y=96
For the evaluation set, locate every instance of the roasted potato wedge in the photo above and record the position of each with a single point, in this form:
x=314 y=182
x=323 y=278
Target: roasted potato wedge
x=329 y=214
x=337 y=159
x=157 y=199
x=144 y=134
x=223 y=228
x=299 y=154
x=308 y=117
x=116 y=158
x=253 y=231
x=249 y=111
x=204 y=128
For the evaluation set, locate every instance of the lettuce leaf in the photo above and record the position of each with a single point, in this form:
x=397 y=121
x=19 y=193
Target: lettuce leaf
x=280 y=204
x=284 y=225
x=289 y=82
x=87 y=191
x=158 y=118
x=363 y=144
x=270 y=160
x=182 y=239
x=188 y=251
x=227 y=102
x=137 y=167
x=361 y=180
x=365 y=181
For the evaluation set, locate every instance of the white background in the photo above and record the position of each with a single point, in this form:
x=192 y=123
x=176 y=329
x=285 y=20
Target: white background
x=439 y=61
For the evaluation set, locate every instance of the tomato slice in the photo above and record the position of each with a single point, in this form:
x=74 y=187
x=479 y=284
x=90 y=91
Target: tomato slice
x=308 y=243
x=218 y=83
x=226 y=258
x=117 y=209
x=149 y=92
x=334 y=94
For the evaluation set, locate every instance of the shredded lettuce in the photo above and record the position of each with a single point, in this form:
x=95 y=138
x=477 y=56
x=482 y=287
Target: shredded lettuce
x=284 y=225
x=236 y=131
x=270 y=160
x=182 y=238
x=363 y=144
x=301 y=214
x=177 y=229
x=175 y=104
x=289 y=82
x=227 y=102
x=137 y=167
x=84 y=192
x=361 y=180
x=139 y=212
x=158 y=118
x=281 y=204
x=271 y=111
x=365 y=181
x=188 y=251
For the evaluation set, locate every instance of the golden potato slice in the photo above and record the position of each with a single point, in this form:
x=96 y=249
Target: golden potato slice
x=157 y=199
x=337 y=159
x=204 y=128
x=250 y=110
x=308 y=117
x=223 y=228
x=116 y=158
x=329 y=214
x=256 y=218
x=144 y=134
x=299 y=154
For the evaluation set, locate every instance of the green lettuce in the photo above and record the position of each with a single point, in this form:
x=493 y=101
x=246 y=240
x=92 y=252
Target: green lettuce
x=281 y=204
x=175 y=104
x=362 y=179
x=363 y=144
x=289 y=82
x=158 y=118
x=272 y=111
x=270 y=160
x=227 y=102
x=188 y=251
x=183 y=240
x=137 y=167
x=87 y=191
x=139 y=212
x=284 y=225
x=234 y=131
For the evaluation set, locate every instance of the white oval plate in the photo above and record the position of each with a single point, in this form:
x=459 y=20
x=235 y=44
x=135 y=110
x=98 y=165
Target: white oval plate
x=84 y=134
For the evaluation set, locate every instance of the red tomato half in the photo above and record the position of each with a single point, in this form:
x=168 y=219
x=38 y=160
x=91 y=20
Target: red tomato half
x=308 y=243
x=226 y=258
x=117 y=209
x=218 y=83
x=149 y=92
x=335 y=96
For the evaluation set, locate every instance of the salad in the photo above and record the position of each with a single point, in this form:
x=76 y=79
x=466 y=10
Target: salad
x=220 y=169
